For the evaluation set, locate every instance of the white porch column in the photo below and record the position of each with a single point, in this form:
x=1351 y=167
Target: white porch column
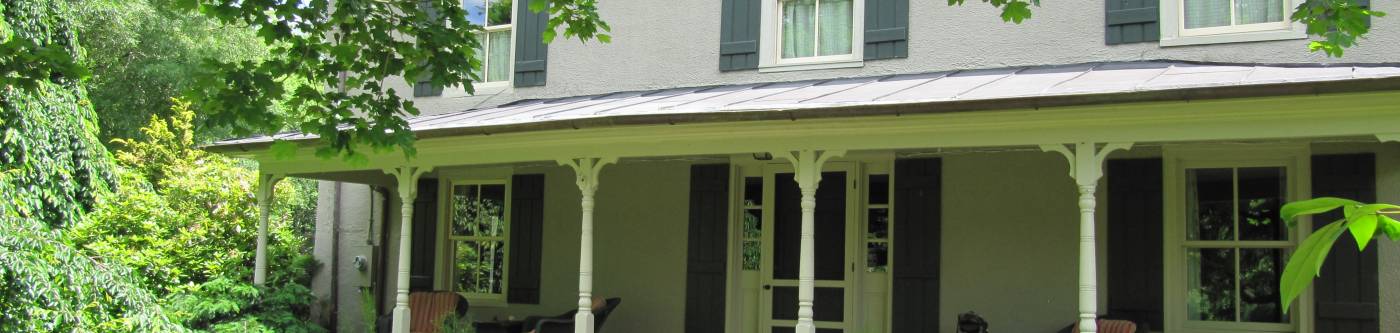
x=407 y=178
x=1086 y=167
x=267 y=186
x=586 y=176
x=807 y=166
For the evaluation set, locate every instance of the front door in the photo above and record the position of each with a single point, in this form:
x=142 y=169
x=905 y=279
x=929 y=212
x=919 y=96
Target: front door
x=833 y=261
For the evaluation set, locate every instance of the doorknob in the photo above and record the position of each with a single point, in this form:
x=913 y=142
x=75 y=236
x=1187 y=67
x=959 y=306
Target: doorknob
x=766 y=287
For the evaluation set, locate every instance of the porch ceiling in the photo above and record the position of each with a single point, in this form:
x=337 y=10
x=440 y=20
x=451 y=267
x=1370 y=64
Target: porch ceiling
x=956 y=91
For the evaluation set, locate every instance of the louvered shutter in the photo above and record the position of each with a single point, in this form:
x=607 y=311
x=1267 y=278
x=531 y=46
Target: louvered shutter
x=1347 y=291
x=526 y=232
x=1134 y=208
x=706 y=254
x=886 y=29
x=917 y=241
x=423 y=250
x=422 y=85
x=738 y=40
x=531 y=53
x=1131 y=21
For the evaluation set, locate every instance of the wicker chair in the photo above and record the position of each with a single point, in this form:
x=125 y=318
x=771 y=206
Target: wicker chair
x=1113 y=326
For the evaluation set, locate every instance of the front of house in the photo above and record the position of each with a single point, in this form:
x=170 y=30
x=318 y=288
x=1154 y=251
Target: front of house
x=881 y=173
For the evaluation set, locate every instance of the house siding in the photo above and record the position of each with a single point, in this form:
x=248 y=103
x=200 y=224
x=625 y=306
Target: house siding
x=676 y=43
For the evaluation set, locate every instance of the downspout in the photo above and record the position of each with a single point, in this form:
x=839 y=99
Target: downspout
x=381 y=277
x=335 y=261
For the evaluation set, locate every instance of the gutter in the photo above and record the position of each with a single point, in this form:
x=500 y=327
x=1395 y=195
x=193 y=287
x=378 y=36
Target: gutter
x=895 y=109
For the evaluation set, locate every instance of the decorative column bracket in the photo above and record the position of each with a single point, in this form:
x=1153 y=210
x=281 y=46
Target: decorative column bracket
x=586 y=172
x=1086 y=167
x=267 y=188
x=1388 y=137
x=807 y=165
x=407 y=178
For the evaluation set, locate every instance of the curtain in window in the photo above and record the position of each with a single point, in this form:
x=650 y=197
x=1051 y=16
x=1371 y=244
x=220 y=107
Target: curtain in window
x=835 y=30
x=498 y=66
x=1258 y=11
x=1207 y=13
x=799 y=26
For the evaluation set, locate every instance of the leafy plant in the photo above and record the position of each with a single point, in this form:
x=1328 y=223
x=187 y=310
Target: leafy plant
x=1363 y=221
x=454 y=323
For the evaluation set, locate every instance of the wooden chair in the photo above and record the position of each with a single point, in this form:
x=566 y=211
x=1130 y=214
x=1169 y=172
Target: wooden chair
x=1113 y=326
x=427 y=308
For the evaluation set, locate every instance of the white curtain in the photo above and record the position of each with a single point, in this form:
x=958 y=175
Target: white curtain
x=1258 y=11
x=835 y=31
x=498 y=62
x=799 y=26
x=1207 y=13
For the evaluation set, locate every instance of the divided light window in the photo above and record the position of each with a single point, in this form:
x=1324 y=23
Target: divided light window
x=479 y=238
x=1210 y=17
x=494 y=16
x=1235 y=244
x=753 y=223
x=816 y=28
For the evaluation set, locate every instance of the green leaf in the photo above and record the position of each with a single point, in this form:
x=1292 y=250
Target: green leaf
x=1313 y=206
x=1363 y=228
x=1016 y=11
x=1390 y=227
x=1306 y=262
x=538 y=5
x=283 y=149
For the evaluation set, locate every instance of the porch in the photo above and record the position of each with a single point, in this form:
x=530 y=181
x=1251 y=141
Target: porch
x=1004 y=209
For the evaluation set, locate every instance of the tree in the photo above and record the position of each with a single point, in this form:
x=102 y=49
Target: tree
x=142 y=53
x=1364 y=221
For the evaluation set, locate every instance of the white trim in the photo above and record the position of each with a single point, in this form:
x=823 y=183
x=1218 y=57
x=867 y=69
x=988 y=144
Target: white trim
x=1174 y=32
x=1294 y=157
x=770 y=47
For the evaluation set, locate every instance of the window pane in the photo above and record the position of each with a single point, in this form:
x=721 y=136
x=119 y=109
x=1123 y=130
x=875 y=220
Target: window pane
x=479 y=266
x=499 y=12
x=799 y=28
x=753 y=224
x=835 y=29
x=478 y=210
x=878 y=224
x=1259 y=279
x=498 y=63
x=877 y=257
x=1258 y=11
x=1210 y=284
x=879 y=189
x=1210 y=200
x=1207 y=13
x=753 y=191
x=1261 y=197
x=752 y=254
x=476 y=11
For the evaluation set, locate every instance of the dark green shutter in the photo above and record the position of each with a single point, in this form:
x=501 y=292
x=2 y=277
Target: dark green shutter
x=917 y=240
x=738 y=34
x=531 y=52
x=1131 y=21
x=422 y=87
x=424 y=247
x=1365 y=4
x=1134 y=208
x=1347 y=291
x=706 y=255
x=526 y=232
x=886 y=29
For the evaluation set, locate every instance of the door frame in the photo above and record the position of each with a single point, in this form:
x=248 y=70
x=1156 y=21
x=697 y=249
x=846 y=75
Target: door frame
x=847 y=285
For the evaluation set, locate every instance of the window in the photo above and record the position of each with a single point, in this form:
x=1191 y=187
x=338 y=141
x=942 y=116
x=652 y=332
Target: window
x=495 y=17
x=877 y=225
x=1226 y=21
x=1227 y=245
x=753 y=223
x=808 y=34
x=479 y=236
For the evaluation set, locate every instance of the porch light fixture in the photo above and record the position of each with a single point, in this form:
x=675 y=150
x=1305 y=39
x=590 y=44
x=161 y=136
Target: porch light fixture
x=763 y=156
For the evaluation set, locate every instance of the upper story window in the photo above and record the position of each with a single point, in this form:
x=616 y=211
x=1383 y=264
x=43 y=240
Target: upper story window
x=810 y=34
x=1189 y=22
x=495 y=18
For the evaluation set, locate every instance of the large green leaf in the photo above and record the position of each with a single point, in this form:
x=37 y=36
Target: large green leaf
x=1390 y=227
x=1363 y=228
x=1306 y=262
x=1313 y=206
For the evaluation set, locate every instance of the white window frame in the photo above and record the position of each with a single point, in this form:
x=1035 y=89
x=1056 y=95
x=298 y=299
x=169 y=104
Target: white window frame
x=1175 y=33
x=496 y=86
x=447 y=244
x=771 y=46
x=1295 y=158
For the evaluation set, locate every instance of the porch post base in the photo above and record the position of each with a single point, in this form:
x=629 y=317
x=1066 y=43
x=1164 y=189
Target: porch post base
x=583 y=322
x=401 y=316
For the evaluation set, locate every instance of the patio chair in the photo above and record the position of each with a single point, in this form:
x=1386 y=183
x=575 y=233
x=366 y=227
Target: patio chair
x=427 y=310
x=1113 y=326
x=564 y=323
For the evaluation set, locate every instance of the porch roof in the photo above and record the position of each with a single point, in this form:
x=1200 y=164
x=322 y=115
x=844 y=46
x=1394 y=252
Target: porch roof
x=950 y=91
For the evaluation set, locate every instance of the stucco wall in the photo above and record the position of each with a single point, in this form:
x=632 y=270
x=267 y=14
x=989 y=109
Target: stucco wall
x=664 y=44
x=359 y=210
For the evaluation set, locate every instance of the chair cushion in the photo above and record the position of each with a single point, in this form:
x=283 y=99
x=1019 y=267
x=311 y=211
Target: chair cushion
x=1113 y=326
x=426 y=310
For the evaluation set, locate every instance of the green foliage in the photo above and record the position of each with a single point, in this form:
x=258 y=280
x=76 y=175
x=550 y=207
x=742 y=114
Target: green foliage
x=1339 y=22
x=579 y=17
x=1014 y=11
x=37 y=44
x=142 y=53
x=369 y=312
x=1364 y=221
x=453 y=323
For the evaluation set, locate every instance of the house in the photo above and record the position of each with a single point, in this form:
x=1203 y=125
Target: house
x=852 y=166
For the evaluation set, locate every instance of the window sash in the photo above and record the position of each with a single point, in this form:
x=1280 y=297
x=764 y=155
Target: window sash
x=1232 y=27
x=452 y=239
